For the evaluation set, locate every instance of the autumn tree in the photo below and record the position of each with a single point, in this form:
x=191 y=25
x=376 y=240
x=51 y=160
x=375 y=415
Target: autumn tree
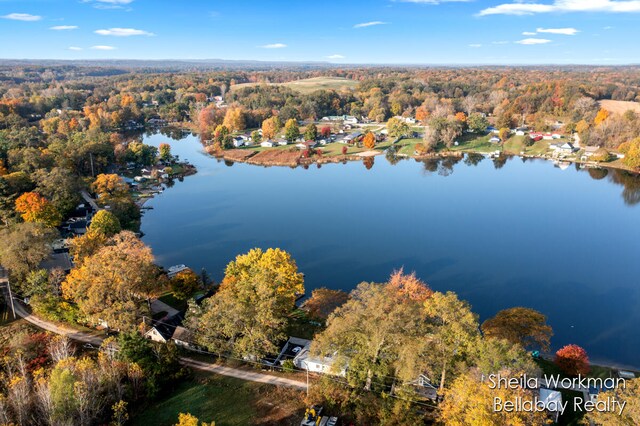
x=325 y=131
x=311 y=132
x=24 y=246
x=469 y=401
x=631 y=151
x=379 y=331
x=222 y=137
x=191 y=420
x=601 y=117
x=185 y=283
x=397 y=128
x=234 y=119
x=324 y=301
x=461 y=117
x=165 y=151
x=256 y=137
x=60 y=186
x=629 y=394
x=455 y=328
x=291 y=130
x=477 y=123
x=504 y=134
x=519 y=325
x=369 y=140
x=270 y=127
x=573 y=360
x=33 y=207
x=110 y=187
x=248 y=315
x=113 y=284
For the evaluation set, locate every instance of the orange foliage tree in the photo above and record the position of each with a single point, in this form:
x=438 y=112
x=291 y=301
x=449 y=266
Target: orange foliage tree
x=369 y=140
x=35 y=208
x=573 y=360
x=461 y=117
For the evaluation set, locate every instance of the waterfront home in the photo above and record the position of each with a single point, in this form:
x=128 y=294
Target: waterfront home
x=282 y=142
x=321 y=364
x=266 y=144
x=306 y=145
x=521 y=131
x=494 y=139
x=565 y=148
x=239 y=141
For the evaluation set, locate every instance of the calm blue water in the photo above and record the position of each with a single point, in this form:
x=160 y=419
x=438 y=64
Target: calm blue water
x=526 y=234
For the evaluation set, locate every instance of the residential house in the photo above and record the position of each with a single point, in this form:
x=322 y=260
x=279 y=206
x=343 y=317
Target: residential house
x=172 y=271
x=183 y=337
x=565 y=148
x=351 y=137
x=346 y=119
x=317 y=364
x=282 y=142
x=266 y=144
x=239 y=141
x=162 y=330
x=495 y=139
x=521 y=131
x=423 y=387
x=306 y=145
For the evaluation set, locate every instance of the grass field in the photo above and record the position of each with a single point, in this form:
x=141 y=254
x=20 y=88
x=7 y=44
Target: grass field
x=310 y=85
x=620 y=107
x=227 y=401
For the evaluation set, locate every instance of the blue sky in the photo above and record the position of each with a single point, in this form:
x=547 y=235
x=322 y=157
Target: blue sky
x=345 y=31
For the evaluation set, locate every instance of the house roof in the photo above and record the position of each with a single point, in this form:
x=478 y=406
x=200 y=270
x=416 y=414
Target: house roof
x=166 y=327
x=182 y=334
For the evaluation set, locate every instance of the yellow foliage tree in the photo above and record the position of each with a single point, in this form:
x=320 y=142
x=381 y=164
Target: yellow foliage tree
x=469 y=402
x=270 y=128
x=191 y=420
x=601 y=117
x=110 y=187
x=234 y=120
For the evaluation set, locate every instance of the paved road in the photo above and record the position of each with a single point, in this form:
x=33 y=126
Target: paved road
x=243 y=374
x=199 y=365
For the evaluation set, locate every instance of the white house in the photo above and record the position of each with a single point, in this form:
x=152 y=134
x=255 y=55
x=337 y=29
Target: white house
x=282 y=142
x=494 y=139
x=304 y=361
x=266 y=144
x=565 y=148
x=175 y=270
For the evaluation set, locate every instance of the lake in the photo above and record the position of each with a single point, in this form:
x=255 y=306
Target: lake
x=564 y=242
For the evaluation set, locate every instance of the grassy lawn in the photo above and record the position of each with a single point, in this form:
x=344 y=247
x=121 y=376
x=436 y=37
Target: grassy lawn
x=407 y=146
x=515 y=145
x=538 y=148
x=476 y=143
x=227 y=401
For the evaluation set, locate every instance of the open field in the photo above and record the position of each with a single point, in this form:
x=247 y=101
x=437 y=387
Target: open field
x=620 y=107
x=228 y=402
x=309 y=85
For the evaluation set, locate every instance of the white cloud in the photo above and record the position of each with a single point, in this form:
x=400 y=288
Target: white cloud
x=75 y=48
x=64 y=27
x=528 y=33
x=103 y=48
x=274 y=46
x=562 y=31
x=369 y=24
x=335 y=57
x=527 y=8
x=475 y=45
x=22 y=17
x=123 y=32
x=531 y=41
